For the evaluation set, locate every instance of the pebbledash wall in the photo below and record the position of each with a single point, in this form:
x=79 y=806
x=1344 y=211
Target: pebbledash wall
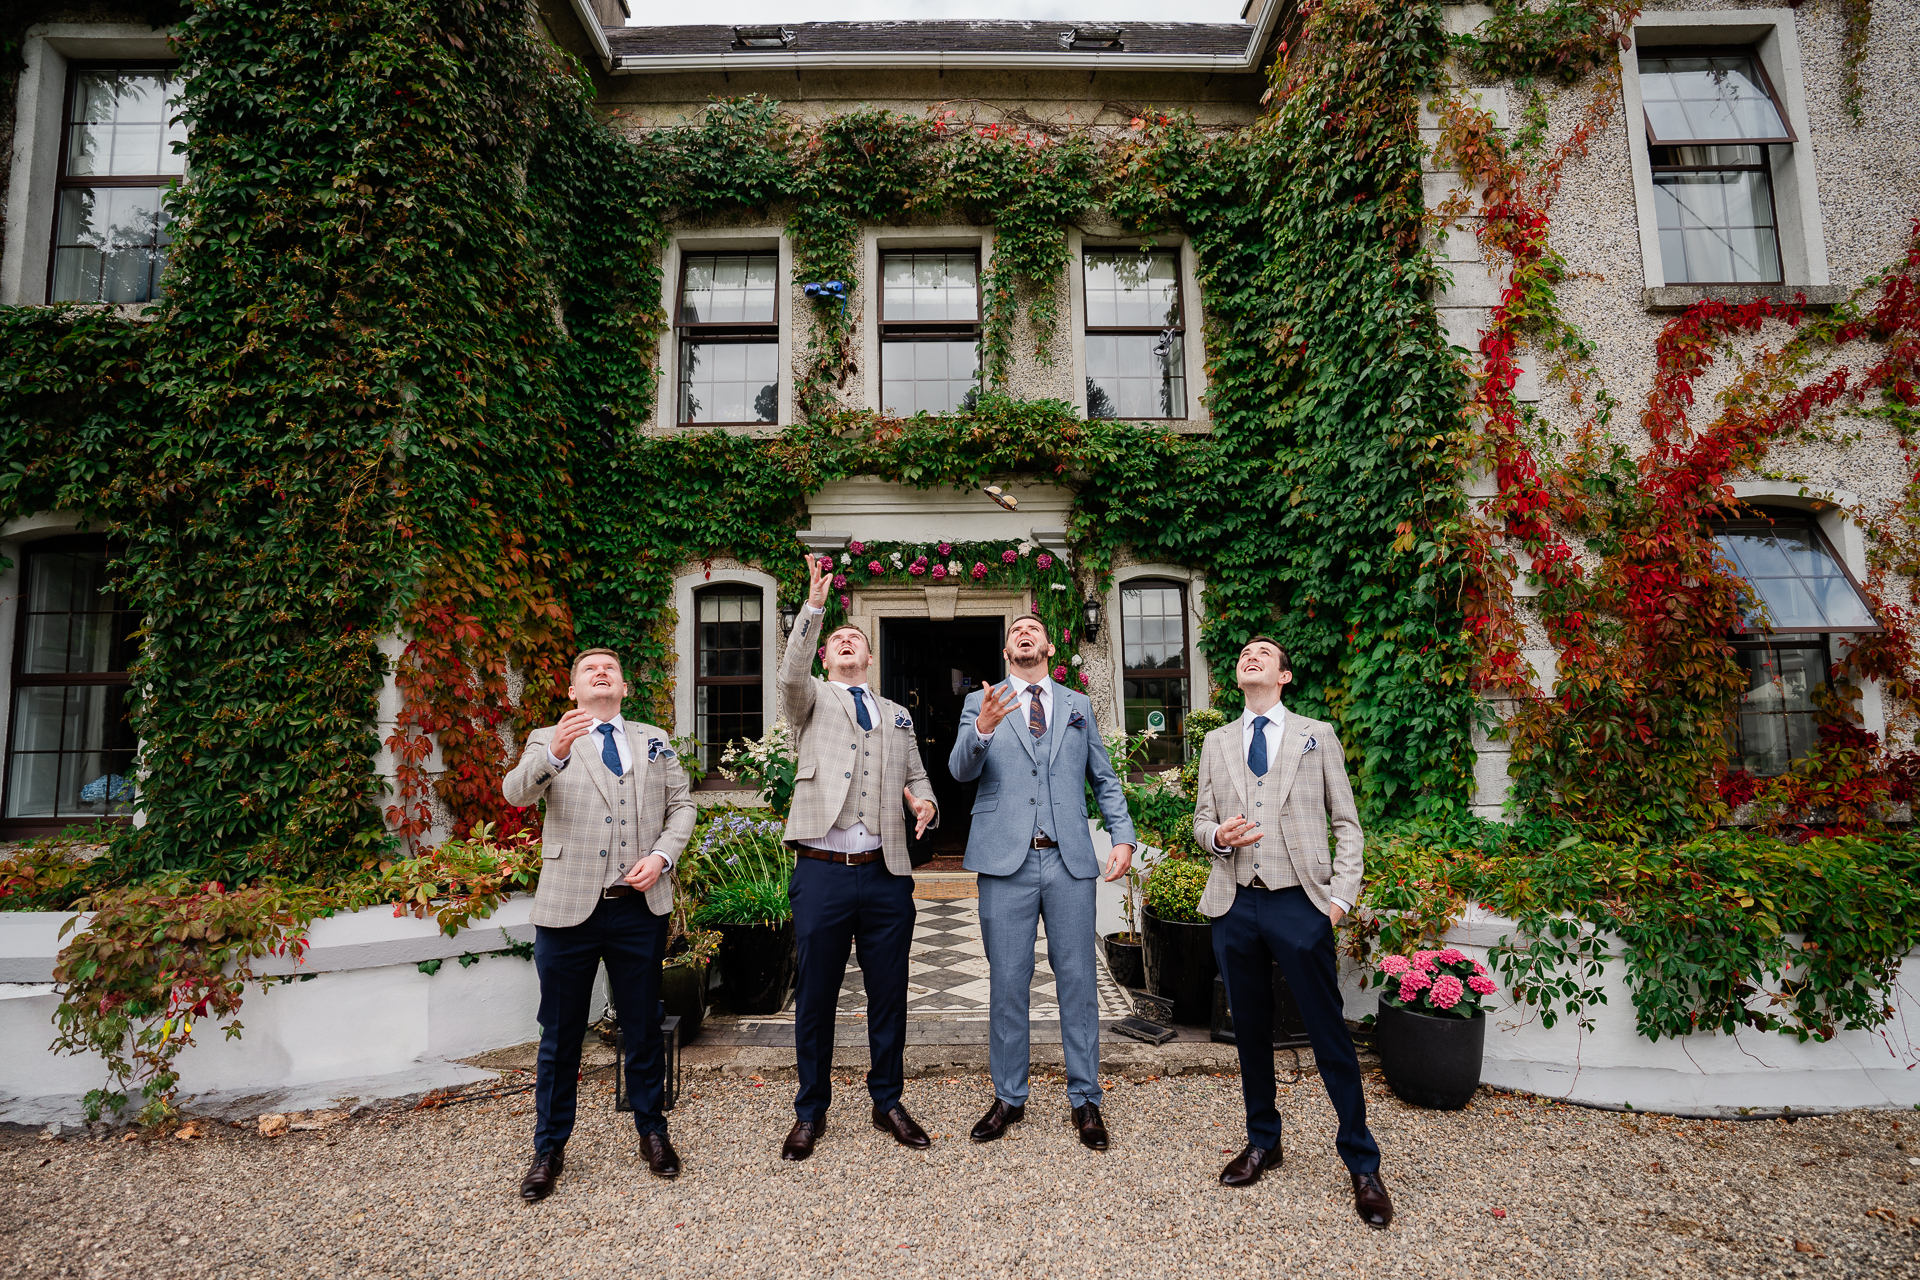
x=1844 y=192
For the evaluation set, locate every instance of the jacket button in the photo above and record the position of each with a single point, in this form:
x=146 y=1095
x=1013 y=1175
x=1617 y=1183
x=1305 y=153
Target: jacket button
x=846 y=775
x=1033 y=802
x=603 y=853
x=609 y=817
x=1036 y=773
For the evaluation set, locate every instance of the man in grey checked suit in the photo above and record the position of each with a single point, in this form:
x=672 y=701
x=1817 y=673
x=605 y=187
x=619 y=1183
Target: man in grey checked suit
x=1275 y=894
x=1035 y=860
x=618 y=812
x=857 y=758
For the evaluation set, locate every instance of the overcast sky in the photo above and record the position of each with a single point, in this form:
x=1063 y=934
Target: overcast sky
x=731 y=12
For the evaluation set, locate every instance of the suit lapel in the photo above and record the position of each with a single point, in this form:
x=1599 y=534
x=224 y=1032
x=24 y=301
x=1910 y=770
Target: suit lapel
x=1291 y=743
x=1237 y=770
x=596 y=767
x=1062 y=713
x=845 y=699
x=1024 y=735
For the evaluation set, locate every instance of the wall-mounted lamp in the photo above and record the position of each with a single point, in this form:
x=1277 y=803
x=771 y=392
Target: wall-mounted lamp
x=788 y=613
x=1091 y=608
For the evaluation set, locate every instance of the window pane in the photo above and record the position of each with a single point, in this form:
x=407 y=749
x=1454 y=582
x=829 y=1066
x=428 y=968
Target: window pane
x=110 y=244
x=1130 y=289
x=1796 y=578
x=1774 y=724
x=929 y=375
x=1152 y=628
x=728 y=288
x=729 y=633
x=929 y=286
x=124 y=125
x=73 y=623
x=1133 y=375
x=729 y=381
x=1699 y=97
x=1166 y=698
x=1720 y=225
x=72 y=753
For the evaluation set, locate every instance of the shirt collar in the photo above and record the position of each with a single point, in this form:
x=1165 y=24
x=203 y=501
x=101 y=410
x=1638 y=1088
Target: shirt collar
x=1044 y=684
x=619 y=725
x=862 y=687
x=1274 y=714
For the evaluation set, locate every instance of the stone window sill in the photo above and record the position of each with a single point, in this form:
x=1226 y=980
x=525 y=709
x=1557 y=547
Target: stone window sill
x=1678 y=297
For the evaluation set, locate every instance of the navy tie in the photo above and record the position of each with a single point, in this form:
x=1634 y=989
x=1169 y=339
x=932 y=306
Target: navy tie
x=608 y=751
x=860 y=709
x=1257 y=753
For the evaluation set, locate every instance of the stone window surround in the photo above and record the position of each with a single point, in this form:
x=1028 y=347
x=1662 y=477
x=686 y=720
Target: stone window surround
x=877 y=240
x=772 y=645
x=39 y=107
x=1192 y=319
x=666 y=399
x=1796 y=197
x=1200 y=696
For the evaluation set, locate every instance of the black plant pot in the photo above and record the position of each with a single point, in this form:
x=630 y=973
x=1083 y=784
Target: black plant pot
x=1179 y=965
x=1124 y=961
x=1430 y=1061
x=684 y=989
x=758 y=962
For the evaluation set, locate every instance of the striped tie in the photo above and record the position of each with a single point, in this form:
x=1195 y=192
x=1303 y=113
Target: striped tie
x=1036 y=715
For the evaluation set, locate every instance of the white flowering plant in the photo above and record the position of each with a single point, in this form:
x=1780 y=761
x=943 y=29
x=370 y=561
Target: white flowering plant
x=767 y=764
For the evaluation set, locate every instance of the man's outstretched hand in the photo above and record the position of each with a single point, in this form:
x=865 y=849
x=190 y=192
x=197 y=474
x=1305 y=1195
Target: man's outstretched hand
x=998 y=700
x=819 y=579
x=923 y=812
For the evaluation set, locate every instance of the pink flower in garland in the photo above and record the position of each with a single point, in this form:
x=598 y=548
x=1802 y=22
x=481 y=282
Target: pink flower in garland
x=840 y=581
x=1083 y=681
x=1450 y=956
x=946 y=548
x=917 y=568
x=979 y=571
x=1009 y=556
x=1066 y=637
x=1412 y=984
x=1395 y=965
x=843 y=602
x=1446 y=992
x=821 y=653
x=939 y=572
x=858 y=548
x=826 y=564
x=1060 y=673
x=1045 y=561
x=873 y=567
x=1481 y=984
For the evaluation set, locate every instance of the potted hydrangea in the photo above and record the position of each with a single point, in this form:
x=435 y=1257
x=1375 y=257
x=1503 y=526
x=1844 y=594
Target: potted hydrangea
x=1431 y=1032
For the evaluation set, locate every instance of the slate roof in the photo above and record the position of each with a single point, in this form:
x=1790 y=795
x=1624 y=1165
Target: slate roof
x=980 y=37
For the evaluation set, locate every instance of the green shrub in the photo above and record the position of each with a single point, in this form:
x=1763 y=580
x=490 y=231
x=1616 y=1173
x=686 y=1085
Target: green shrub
x=1174 y=889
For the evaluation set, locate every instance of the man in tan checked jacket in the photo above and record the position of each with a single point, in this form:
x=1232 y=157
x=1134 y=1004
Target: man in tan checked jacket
x=1271 y=783
x=858 y=759
x=618 y=812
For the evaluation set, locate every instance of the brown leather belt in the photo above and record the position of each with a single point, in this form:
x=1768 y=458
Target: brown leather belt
x=834 y=855
x=1045 y=842
x=617 y=891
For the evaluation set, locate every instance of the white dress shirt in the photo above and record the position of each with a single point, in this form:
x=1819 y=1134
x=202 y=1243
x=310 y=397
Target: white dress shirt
x=1275 y=727
x=1044 y=684
x=591 y=740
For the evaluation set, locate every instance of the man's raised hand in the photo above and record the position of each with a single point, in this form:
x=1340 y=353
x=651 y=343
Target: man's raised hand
x=994 y=705
x=819 y=578
x=1235 y=833
x=573 y=724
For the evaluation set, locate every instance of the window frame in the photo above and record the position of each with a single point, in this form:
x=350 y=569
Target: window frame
x=1751 y=53
x=1768 y=642
x=63 y=182
x=713 y=781
x=1183 y=673
x=1773 y=211
x=1088 y=329
x=726 y=331
x=29 y=827
x=1767 y=523
x=890 y=332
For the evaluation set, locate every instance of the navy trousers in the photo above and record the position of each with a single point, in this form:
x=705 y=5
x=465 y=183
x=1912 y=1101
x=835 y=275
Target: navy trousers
x=1265 y=926
x=835 y=905
x=632 y=940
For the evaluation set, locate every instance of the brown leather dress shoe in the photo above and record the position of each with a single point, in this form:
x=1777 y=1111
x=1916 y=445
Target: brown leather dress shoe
x=662 y=1160
x=1371 y=1202
x=1093 y=1130
x=546 y=1167
x=1245 y=1169
x=901 y=1127
x=995 y=1122
x=800 y=1139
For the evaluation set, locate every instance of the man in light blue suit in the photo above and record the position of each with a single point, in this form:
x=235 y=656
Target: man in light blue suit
x=1034 y=856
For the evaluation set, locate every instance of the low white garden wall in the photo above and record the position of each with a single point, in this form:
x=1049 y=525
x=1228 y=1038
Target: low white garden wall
x=364 y=1022
x=1712 y=1074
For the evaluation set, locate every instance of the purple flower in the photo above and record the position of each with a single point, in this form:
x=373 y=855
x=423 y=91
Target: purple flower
x=917 y=568
x=843 y=602
x=979 y=570
x=921 y=561
x=873 y=567
x=1009 y=556
x=939 y=572
x=858 y=548
x=1060 y=673
x=840 y=581
x=1045 y=561
x=946 y=548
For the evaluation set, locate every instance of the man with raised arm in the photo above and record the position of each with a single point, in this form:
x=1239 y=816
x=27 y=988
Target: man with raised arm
x=1034 y=855
x=619 y=811
x=1275 y=894
x=858 y=758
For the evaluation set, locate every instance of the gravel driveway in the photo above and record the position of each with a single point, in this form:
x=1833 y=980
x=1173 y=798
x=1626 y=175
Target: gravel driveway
x=433 y=1193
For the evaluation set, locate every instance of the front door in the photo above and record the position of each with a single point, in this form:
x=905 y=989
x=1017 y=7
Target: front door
x=930 y=667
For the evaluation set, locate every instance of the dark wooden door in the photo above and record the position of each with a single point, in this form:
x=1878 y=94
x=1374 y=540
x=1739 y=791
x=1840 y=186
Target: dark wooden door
x=930 y=667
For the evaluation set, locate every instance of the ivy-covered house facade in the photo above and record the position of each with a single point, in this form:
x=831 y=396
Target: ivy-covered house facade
x=1542 y=377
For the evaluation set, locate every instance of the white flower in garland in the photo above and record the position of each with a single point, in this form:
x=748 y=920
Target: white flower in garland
x=1058 y=586
x=1026 y=548
x=954 y=569
x=895 y=557
x=845 y=558
x=1076 y=659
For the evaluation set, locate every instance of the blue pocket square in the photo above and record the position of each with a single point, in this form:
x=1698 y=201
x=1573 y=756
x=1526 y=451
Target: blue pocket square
x=900 y=721
x=657 y=749
x=1076 y=721
x=1313 y=744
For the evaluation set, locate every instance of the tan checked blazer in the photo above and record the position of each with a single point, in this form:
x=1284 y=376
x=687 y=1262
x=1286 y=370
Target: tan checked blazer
x=826 y=741
x=1305 y=789
x=596 y=821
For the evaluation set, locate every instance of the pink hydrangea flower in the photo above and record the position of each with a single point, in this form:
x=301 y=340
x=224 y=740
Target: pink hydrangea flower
x=916 y=568
x=873 y=566
x=1423 y=960
x=946 y=548
x=1481 y=984
x=1478 y=967
x=979 y=570
x=920 y=560
x=1045 y=561
x=1009 y=556
x=1394 y=965
x=1412 y=984
x=1446 y=992
x=939 y=572
x=840 y=581
x=1060 y=673
x=1083 y=681
x=858 y=548
x=843 y=602
x=826 y=564
x=821 y=653
x=1450 y=956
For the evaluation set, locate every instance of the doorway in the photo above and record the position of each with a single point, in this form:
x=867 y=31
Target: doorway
x=930 y=667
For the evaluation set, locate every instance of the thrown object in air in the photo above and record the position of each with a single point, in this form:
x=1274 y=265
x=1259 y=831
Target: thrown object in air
x=1002 y=497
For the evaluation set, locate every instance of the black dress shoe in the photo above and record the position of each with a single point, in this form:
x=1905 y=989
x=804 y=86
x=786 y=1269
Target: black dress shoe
x=895 y=1122
x=1245 y=1169
x=800 y=1139
x=1093 y=1130
x=995 y=1122
x=1370 y=1200
x=546 y=1167
x=662 y=1160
